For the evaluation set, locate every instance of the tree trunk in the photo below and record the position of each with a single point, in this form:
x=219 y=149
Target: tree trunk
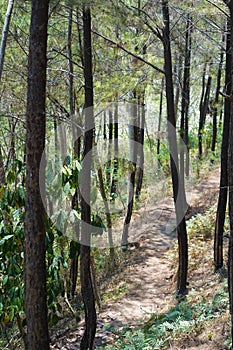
x=107 y=212
x=113 y=191
x=5 y=34
x=186 y=90
x=85 y=258
x=171 y=125
x=216 y=100
x=178 y=76
x=70 y=62
x=230 y=171
x=200 y=109
x=2 y=168
x=140 y=170
x=229 y=75
x=133 y=131
x=74 y=246
x=203 y=112
x=159 y=122
x=11 y=154
x=184 y=110
x=34 y=243
x=2 y=55
x=110 y=139
x=104 y=127
x=223 y=190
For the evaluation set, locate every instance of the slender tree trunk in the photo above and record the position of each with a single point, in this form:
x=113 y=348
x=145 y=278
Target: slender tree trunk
x=2 y=168
x=223 y=189
x=200 y=109
x=74 y=253
x=116 y=150
x=140 y=170
x=178 y=75
x=34 y=243
x=203 y=112
x=230 y=169
x=171 y=125
x=159 y=122
x=184 y=110
x=70 y=62
x=133 y=132
x=110 y=139
x=104 y=127
x=5 y=31
x=11 y=154
x=107 y=212
x=80 y=41
x=85 y=258
x=216 y=100
x=186 y=90
x=2 y=55
x=74 y=246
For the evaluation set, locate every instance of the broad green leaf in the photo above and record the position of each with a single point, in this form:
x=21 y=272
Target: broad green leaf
x=66 y=188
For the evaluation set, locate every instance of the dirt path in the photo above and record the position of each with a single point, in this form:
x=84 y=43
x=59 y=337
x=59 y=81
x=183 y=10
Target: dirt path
x=148 y=281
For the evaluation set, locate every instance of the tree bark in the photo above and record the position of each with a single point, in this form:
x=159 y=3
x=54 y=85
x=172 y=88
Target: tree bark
x=171 y=126
x=110 y=146
x=104 y=127
x=216 y=100
x=113 y=191
x=70 y=62
x=77 y=145
x=203 y=112
x=223 y=189
x=230 y=173
x=87 y=290
x=186 y=90
x=159 y=122
x=140 y=169
x=184 y=110
x=34 y=243
x=5 y=31
x=2 y=169
x=178 y=76
x=2 y=55
x=133 y=132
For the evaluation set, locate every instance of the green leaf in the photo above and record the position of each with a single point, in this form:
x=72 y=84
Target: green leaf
x=5 y=280
x=66 y=188
x=67 y=160
x=72 y=191
x=77 y=165
x=6 y=238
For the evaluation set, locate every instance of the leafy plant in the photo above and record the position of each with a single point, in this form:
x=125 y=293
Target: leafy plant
x=11 y=243
x=162 y=329
x=202 y=225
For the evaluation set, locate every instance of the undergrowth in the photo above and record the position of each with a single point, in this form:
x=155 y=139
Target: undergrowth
x=205 y=308
x=184 y=320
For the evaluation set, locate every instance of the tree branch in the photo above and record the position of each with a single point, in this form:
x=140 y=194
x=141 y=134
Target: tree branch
x=218 y=7
x=128 y=52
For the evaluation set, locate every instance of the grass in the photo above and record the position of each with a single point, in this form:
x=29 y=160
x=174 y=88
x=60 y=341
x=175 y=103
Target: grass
x=180 y=324
x=203 y=318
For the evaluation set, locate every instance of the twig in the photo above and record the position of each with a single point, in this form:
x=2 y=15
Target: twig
x=119 y=45
x=218 y=7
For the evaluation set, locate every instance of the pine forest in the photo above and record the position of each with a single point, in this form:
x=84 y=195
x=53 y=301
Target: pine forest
x=116 y=174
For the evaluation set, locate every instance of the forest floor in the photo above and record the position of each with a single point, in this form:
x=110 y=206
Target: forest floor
x=147 y=283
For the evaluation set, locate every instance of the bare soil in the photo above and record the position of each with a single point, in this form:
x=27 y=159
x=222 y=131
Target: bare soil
x=148 y=284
